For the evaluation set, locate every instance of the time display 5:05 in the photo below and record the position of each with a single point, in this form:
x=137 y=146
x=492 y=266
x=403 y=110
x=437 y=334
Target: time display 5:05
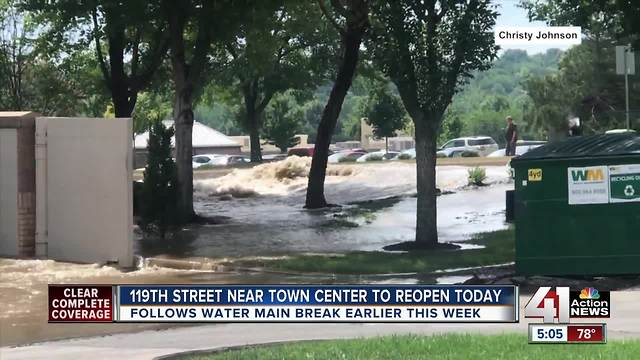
x=547 y=333
x=567 y=333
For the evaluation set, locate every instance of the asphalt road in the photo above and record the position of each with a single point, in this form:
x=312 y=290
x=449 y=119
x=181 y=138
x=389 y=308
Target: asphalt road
x=624 y=323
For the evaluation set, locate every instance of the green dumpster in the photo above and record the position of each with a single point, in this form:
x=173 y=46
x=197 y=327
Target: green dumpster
x=577 y=207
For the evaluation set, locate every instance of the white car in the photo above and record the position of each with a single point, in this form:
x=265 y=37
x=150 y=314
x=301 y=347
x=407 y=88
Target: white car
x=218 y=160
x=519 y=150
x=522 y=146
x=406 y=154
x=481 y=145
x=346 y=156
x=203 y=159
x=384 y=155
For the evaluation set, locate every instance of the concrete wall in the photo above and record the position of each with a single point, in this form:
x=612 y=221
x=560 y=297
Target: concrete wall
x=26 y=187
x=17 y=192
x=369 y=142
x=8 y=192
x=84 y=191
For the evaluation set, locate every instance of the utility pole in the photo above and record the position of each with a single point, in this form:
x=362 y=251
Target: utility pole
x=627 y=51
x=625 y=65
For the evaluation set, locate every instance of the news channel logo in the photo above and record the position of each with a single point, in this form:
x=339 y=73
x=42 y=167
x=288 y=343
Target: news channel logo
x=562 y=304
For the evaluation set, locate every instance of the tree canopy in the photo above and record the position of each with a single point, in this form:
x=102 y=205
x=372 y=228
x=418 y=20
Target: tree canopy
x=129 y=39
x=282 y=123
x=278 y=48
x=428 y=49
x=384 y=111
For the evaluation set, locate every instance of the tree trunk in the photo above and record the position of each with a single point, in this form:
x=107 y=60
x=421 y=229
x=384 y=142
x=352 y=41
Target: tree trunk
x=183 y=120
x=254 y=137
x=315 y=189
x=121 y=95
x=122 y=104
x=426 y=210
x=120 y=92
x=386 y=144
x=253 y=124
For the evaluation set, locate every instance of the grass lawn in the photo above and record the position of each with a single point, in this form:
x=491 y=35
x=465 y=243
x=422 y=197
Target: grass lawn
x=498 y=248
x=451 y=346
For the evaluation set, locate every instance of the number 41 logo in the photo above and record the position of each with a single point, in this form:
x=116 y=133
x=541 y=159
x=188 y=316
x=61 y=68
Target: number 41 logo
x=549 y=305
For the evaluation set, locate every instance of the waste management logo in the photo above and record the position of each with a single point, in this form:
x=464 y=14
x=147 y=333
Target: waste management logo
x=587 y=175
x=604 y=184
x=588 y=185
x=563 y=304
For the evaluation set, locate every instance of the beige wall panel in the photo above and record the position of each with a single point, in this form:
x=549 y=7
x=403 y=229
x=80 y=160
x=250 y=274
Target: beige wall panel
x=8 y=192
x=84 y=194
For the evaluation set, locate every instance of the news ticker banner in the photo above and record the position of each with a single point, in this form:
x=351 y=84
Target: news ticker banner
x=567 y=333
x=282 y=303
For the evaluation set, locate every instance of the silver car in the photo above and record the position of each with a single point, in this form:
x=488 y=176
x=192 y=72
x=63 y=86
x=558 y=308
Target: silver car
x=218 y=160
x=481 y=145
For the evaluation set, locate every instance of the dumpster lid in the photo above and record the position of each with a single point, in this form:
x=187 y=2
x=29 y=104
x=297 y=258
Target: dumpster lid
x=586 y=146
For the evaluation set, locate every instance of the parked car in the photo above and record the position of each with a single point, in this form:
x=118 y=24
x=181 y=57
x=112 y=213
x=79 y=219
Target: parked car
x=358 y=149
x=406 y=154
x=482 y=145
x=382 y=153
x=218 y=160
x=519 y=150
x=203 y=159
x=347 y=155
x=237 y=159
x=522 y=146
x=273 y=157
x=301 y=151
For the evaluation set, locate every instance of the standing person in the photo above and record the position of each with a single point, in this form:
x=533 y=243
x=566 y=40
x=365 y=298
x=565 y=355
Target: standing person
x=511 y=136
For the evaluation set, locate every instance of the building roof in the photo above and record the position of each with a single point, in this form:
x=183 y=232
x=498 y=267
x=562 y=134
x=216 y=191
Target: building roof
x=203 y=136
x=18 y=114
x=586 y=146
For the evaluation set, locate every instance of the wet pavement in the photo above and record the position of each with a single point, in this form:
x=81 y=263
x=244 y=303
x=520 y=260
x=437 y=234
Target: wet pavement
x=378 y=209
x=23 y=292
x=264 y=205
x=623 y=324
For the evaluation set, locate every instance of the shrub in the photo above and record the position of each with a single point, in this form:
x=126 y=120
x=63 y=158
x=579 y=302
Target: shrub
x=346 y=159
x=405 y=156
x=138 y=193
x=477 y=176
x=160 y=184
x=375 y=157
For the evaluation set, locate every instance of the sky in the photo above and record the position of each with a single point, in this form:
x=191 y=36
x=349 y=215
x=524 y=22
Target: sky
x=512 y=15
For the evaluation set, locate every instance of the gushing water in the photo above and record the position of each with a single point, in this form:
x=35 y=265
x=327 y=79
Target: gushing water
x=265 y=206
x=278 y=178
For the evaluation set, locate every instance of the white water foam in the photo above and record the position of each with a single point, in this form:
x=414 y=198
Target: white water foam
x=346 y=182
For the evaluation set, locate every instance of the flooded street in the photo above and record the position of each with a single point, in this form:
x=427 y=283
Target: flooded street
x=378 y=209
x=266 y=218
